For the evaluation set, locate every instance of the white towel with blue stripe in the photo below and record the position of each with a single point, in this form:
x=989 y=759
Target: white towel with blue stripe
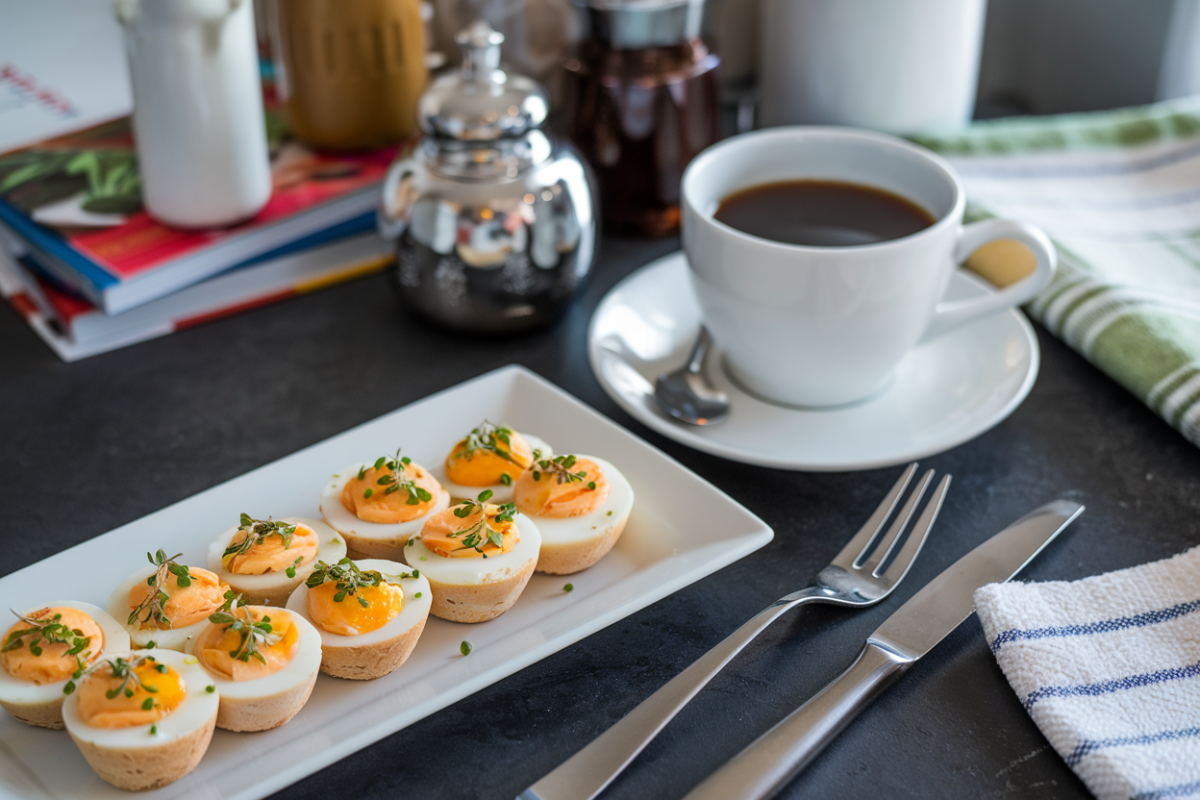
x=1108 y=667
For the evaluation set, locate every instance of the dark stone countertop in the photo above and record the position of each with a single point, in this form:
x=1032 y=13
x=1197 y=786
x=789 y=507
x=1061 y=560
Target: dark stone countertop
x=95 y=444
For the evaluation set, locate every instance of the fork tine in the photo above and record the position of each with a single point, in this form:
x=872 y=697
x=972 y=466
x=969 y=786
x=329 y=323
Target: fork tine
x=891 y=539
x=860 y=545
x=916 y=539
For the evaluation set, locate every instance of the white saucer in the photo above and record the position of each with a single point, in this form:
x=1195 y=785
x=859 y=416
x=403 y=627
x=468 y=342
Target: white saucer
x=944 y=393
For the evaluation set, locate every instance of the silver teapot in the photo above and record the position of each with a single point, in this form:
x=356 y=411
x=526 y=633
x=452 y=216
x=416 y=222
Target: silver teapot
x=494 y=222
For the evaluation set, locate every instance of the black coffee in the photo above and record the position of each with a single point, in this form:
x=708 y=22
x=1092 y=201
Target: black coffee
x=822 y=213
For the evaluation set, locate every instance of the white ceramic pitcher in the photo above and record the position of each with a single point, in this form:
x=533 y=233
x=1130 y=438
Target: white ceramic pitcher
x=198 y=111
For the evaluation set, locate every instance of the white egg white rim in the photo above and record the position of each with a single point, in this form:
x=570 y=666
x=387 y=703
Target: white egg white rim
x=570 y=530
x=414 y=610
x=19 y=692
x=331 y=548
x=500 y=492
x=166 y=639
x=477 y=571
x=197 y=708
x=300 y=669
x=346 y=523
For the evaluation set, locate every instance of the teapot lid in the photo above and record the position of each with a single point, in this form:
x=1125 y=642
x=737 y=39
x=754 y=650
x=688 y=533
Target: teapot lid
x=480 y=102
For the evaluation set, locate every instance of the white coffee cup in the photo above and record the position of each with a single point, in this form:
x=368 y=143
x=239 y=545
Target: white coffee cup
x=823 y=326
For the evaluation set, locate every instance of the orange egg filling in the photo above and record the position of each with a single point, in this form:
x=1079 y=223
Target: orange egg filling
x=221 y=650
x=369 y=500
x=270 y=555
x=128 y=707
x=451 y=537
x=188 y=604
x=349 y=617
x=540 y=493
x=53 y=665
x=480 y=467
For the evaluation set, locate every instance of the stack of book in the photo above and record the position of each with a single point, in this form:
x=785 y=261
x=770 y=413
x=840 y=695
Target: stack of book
x=84 y=264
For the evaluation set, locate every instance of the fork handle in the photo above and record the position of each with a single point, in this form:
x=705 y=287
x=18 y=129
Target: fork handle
x=585 y=774
x=766 y=766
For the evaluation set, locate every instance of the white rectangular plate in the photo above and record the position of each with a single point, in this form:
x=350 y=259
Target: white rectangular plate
x=682 y=528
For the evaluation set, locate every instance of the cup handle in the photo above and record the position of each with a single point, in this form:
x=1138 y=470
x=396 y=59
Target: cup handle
x=949 y=315
x=389 y=220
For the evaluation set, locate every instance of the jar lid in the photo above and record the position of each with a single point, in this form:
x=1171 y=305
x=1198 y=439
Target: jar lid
x=637 y=24
x=480 y=102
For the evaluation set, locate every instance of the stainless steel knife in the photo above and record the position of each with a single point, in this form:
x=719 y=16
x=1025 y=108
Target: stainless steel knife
x=778 y=755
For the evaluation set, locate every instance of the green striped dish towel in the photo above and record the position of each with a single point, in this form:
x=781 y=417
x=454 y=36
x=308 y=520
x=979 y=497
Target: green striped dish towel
x=1119 y=193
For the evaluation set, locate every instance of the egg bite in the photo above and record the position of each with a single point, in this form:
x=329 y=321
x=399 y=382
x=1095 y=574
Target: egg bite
x=45 y=649
x=143 y=720
x=265 y=560
x=489 y=457
x=378 y=506
x=581 y=505
x=262 y=660
x=478 y=557
x=167 y=603
x=369 y=614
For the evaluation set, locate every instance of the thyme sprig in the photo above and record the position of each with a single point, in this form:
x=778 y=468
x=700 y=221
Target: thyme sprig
x=123 y=670
x=482 y=532
x=488 y=437
x=254 y=633
x=394 y=480
x=153 y=603
x=559 y=468
x=51 y=631
x=347 y=578
x=257 y=531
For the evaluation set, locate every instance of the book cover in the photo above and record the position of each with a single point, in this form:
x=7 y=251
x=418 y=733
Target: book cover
x=75 y=201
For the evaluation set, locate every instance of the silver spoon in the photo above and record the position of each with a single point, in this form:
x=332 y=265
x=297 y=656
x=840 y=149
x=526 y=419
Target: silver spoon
x=686 y=394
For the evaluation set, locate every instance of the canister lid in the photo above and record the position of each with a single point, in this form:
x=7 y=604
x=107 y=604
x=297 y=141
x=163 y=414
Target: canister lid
x=480 y=102
x=637 y=24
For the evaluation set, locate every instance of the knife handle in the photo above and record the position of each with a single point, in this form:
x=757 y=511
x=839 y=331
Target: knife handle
x=766 y=766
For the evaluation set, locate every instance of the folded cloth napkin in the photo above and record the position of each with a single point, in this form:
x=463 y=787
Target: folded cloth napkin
x=1109 y=669
x=1119 y=193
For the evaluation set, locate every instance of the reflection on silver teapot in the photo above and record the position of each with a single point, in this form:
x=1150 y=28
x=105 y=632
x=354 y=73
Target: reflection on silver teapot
x=494 y=222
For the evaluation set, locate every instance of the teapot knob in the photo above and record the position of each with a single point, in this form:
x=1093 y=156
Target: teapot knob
x=480 y=45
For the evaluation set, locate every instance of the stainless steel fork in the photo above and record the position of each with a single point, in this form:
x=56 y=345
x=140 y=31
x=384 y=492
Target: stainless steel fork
x=861 y=575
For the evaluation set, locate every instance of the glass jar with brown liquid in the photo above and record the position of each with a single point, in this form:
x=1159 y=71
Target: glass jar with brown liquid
x=642 y=98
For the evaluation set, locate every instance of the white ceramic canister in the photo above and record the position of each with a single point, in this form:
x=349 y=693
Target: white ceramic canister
x=198 y=110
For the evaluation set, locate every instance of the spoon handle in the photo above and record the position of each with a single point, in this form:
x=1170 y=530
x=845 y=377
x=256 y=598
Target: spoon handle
x=699 y=351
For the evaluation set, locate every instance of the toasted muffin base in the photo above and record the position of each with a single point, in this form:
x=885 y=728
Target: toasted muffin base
x=149 y=767
x=373 y=660
x=42 y=715
x=477 y=602
x=569 y=557
x=264 y=713
x=360 y=547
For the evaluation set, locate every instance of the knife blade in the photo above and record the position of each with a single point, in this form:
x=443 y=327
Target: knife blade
x=772 y=760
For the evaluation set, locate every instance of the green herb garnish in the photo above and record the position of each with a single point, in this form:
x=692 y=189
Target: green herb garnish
x=465 y=648
x=559 y=468
x=257 y=531
x=394 y=479
x=253 y=633
x=123 y=670
x=346 y=577
x=570 y=587
x=153 y=603
x=488 y=438
x=482 y=532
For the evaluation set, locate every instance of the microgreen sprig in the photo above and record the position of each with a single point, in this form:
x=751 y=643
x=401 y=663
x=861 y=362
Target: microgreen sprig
x=257 y=531
x=394 y=480
x=254 y=633
x=123 y=670
x=488 y=437
x=482 y=532
x=346 y=577
x=152 y=605
x=49 y=630
x=559 y=468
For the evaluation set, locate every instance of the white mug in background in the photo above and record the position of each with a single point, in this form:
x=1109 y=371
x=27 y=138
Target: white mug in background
x=824 y=326
x=197 y=110
x=892 y=65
